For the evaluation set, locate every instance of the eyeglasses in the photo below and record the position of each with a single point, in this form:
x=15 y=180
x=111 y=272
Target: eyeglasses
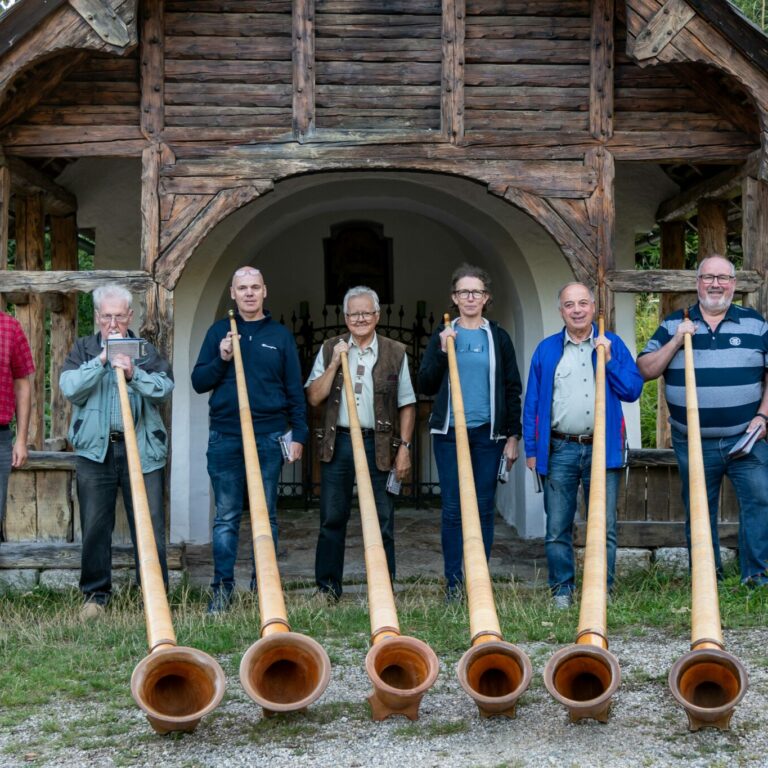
x=465 y=294
x=358 y=316
x=247 y=271
x=117 y=318
x=722 y=279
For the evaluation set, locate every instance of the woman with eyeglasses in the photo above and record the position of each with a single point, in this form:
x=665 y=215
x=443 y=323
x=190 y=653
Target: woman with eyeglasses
x=491 y=388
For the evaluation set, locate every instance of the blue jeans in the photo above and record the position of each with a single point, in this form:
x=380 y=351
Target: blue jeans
x=337 y=478
x=749 y=476
x=6 y=452
x=486 y=455
x=97 y=486
x=570 y=464
x=226 y=468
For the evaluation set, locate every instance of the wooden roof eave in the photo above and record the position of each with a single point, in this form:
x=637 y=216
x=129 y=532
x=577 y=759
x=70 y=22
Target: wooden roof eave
x=36 y=30
x=680 y=31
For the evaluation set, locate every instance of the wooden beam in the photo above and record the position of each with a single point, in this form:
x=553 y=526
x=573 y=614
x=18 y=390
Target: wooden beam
x=5 y=204
x=724 y=186
x=151 y=159
x=672 y=258
x=755 y=239
x=648 y=533
x=602 y=216
x=30 y=247
x=671 y=280
x=69 y=282
x=712 y=224
x=63 y=318
x=152 y=60
x=303 y=61
x=453 y=57
x=660 y=30
x=26 y=180
x=601 y=70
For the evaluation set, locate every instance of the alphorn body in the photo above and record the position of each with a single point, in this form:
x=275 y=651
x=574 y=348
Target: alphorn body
x=493 y=672
x=283 y=671
x=174 y=686
x=583 y=677
x=401 y=668
x=707 y=681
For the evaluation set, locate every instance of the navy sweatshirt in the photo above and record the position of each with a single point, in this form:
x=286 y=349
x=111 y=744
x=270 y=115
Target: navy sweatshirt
x=272 y=375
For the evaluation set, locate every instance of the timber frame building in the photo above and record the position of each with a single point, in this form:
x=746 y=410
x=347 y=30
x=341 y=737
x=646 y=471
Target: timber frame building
x=534 y=137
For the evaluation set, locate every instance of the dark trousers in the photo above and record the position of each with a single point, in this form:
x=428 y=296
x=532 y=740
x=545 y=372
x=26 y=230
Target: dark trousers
x=337 y=478
x=6 y=452
x=97 y=486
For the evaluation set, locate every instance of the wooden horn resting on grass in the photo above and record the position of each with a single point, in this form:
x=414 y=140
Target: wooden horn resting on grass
x=707 y=681
x=401 y=668
x=493 y=672
x=583 y=677
x=283 y=671
x=174 y=686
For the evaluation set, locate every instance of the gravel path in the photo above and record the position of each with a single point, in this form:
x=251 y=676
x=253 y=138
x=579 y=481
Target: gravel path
x=646 y=727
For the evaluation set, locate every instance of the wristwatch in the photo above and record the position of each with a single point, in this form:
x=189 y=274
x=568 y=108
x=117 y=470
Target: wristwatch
x=406 y=444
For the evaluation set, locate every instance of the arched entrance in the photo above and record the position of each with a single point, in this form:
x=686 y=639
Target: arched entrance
x=435 y=222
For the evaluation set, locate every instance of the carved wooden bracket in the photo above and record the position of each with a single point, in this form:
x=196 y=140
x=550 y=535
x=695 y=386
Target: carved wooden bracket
x=102 y=18
x=661 y=29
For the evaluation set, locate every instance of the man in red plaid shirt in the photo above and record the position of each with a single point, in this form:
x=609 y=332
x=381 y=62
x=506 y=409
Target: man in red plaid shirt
x=16 y=368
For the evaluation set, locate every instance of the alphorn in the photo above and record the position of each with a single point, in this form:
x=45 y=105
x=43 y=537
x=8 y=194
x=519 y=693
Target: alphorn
x=493 y=672
x=707 y=681
x=175 y=686
x=401 y=668
x=283 y=671
x=583 y=677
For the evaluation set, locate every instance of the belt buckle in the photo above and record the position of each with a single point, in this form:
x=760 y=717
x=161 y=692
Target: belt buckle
x=583 y=439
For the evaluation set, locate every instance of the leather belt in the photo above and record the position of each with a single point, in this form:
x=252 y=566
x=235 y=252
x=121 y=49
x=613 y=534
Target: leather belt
x=583 y=439
x=116 y=437
x=367 y=431
x=4 y=427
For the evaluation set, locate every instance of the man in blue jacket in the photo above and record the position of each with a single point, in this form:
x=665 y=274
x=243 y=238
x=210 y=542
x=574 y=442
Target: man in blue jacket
x=558 y=426
x=96 y=432
x=278 y=410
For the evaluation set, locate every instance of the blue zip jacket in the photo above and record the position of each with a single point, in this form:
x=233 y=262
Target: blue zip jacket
x=272 y=375
x=623 y=382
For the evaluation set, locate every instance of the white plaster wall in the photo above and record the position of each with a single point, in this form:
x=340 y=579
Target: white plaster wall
x=436 y=222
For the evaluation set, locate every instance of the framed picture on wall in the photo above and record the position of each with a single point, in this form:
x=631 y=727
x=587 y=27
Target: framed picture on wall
x=358 y=253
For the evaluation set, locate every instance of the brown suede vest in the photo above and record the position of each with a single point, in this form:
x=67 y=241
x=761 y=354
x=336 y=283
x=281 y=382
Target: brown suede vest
x=386 y=374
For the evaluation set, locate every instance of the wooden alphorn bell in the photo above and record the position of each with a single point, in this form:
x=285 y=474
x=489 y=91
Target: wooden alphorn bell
x=401 y=668
x=707 y=681
x=583 y=677
x=493 y=672
x=283 y=671
x=175 y=686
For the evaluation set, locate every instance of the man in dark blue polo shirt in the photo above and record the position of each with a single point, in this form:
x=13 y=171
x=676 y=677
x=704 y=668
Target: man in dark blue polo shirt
x=730 y=348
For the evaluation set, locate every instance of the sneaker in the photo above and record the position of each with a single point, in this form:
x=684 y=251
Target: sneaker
x=220 y=602
x=91 y=611
x=562 y=602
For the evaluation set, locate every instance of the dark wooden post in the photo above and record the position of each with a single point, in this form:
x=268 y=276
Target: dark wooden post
x=452 y=96
x=672 y=257
x=30 y=246
x=5 y=202
x=602 y=216
x=601 y=70
x=303 y=69
x=754 y=238
x=713 y=228
x=63 y=319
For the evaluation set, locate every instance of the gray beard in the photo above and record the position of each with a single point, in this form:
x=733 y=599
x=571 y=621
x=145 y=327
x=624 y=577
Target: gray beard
x=714 y=305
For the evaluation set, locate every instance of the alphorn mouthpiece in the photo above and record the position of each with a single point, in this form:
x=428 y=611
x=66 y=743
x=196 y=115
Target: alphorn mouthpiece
x=446 y=319
x=231 y=312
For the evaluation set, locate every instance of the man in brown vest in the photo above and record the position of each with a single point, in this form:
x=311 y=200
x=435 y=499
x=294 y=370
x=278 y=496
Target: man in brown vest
x=385 y=400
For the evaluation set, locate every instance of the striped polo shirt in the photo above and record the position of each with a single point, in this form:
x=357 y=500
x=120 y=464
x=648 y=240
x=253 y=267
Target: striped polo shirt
x=730 y=363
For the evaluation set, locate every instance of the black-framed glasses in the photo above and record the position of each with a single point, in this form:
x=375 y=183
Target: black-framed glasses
x=465 y=294
x=366 y=316
x=721 y=279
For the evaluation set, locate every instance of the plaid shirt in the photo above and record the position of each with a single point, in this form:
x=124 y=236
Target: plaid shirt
x=15 y=363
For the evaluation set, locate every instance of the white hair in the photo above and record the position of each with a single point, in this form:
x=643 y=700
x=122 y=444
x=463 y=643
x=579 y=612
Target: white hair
x=360 y=290
x=111 y=291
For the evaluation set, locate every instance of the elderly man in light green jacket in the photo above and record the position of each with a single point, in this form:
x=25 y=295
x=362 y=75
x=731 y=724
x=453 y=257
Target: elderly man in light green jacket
x=96 y=432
